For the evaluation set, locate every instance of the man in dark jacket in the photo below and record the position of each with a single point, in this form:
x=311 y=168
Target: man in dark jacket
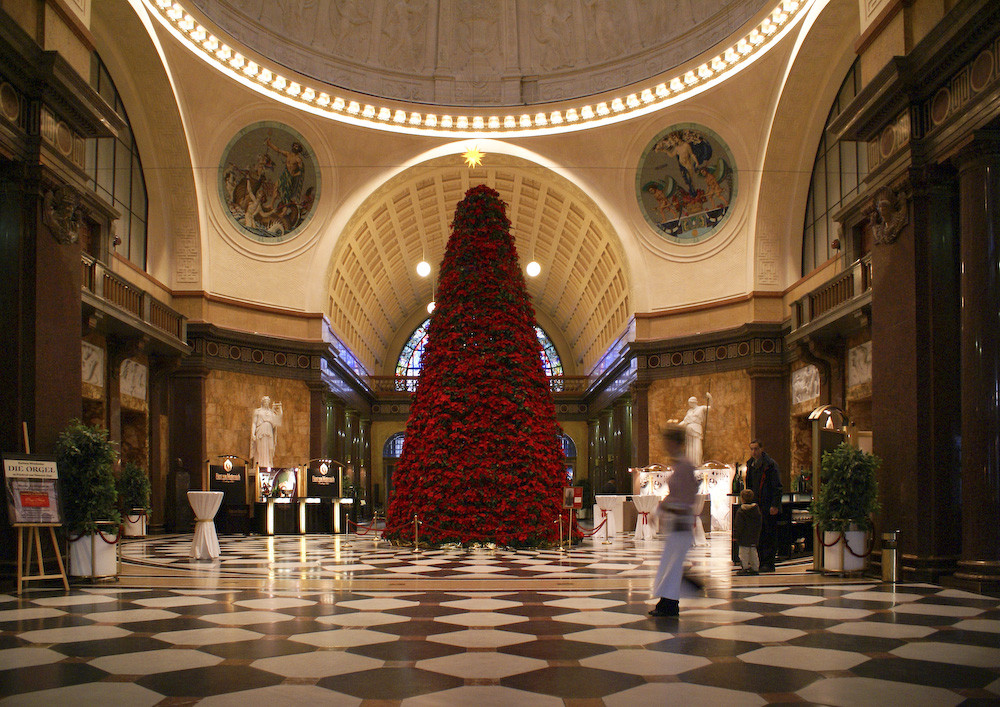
x=765 y=482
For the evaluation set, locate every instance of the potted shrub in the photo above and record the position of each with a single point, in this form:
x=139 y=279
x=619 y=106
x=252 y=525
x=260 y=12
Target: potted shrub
x=133 y=493
x=845 y=505
x=85 y=457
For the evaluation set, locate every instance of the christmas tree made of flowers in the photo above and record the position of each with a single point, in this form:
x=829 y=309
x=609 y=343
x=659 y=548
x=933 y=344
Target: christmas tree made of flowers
x=482 y=461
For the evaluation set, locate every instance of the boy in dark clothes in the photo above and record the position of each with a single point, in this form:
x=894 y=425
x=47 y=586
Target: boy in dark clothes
x=746 y=531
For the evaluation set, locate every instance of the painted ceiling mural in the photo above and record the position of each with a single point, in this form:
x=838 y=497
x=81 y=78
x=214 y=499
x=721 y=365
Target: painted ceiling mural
x=268 y=182
x=686 y=183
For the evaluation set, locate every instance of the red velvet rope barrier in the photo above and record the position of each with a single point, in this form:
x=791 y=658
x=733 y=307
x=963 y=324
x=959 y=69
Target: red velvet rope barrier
x=365 y=528
x=119 y=528
x=841 y=536
x=595 y=530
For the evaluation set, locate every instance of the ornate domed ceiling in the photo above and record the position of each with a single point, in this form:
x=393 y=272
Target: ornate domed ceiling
x=480 y=52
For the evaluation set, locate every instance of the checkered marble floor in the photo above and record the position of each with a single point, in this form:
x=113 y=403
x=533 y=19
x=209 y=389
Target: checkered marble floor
x=230 y=632
x=353 y=561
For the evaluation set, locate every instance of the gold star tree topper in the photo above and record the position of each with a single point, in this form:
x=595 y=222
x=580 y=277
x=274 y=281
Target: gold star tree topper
x=473 y=156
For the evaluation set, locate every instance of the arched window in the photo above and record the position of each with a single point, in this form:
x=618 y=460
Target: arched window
x=115 y=172
x=837 y=173
x=393 y=447
x=569 y=452
x=409 y=363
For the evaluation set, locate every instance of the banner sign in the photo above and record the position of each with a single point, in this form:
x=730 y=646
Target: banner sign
x=321 y=485
x=32 y=489
x=572 y=497
x=232 y=483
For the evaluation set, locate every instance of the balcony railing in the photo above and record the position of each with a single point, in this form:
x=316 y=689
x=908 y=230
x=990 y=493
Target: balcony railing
x=853 y=282
x=565 y=385
x=113 y=289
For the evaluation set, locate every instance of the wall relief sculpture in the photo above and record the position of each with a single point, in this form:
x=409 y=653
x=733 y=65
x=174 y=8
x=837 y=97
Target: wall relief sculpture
x=268 y=182
x=887 y=214
x=805 y=384
x=62 y=213
x=686 y=183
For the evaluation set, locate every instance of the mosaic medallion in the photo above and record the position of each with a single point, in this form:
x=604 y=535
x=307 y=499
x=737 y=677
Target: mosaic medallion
x=686 y=183
x=268 y=182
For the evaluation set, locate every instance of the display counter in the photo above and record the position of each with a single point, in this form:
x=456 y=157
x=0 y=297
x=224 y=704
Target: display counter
x=297 y=516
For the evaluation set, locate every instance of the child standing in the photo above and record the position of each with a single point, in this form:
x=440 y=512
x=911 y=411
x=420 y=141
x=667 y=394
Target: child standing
x=746 y=531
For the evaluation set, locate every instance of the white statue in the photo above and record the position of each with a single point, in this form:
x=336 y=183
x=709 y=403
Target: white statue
x=264 y=432
x=694 y=428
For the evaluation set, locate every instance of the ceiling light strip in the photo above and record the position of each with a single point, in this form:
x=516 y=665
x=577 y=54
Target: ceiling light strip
x=364 y=110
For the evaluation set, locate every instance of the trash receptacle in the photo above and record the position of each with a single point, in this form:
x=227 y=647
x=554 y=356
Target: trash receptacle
x=890 y=556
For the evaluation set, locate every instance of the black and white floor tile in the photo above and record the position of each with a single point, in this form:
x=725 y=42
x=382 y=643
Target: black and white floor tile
x=282 y=620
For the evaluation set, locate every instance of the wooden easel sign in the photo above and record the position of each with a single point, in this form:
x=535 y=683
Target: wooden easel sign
x=31 y=487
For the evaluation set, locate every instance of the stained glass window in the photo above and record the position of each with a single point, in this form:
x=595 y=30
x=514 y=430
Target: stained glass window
x=410 y=358
x=393 y=448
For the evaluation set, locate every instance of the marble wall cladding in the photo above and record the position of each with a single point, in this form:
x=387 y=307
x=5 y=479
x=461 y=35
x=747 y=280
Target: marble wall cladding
x=231 y=398
x=801 y=452
x=727 y=433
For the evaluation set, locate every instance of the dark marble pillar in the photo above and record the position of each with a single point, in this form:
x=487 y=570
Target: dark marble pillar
x=769 y=414
x=188 y=445
x=640 y=423
x=318 y=421
x=979 y=182
x=914 y=379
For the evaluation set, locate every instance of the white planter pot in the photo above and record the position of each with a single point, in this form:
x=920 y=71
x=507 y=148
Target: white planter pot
x=135 y=525
x=837 y=558
x=91 y=556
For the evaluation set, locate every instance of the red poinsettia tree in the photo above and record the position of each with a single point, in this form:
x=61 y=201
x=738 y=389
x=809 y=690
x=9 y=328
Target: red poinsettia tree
x=482 y=461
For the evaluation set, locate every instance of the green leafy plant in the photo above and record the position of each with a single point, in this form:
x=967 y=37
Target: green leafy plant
x=134 y=488
x=848 y=494
x=85 y=456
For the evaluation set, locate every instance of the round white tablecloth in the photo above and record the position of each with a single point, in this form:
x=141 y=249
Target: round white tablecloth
x=607 y=506
x=645 y=506
x=205 y=545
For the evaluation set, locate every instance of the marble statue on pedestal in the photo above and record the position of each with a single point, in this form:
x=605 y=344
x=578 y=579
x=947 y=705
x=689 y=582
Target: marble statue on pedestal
x=694 y=428
x=264 y=432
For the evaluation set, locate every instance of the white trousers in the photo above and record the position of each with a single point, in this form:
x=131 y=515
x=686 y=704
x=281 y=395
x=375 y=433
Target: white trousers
x=748 y=557
x=671 y=570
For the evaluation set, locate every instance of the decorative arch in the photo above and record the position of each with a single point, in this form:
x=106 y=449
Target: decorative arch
x=807 y=89
x=583 y=296
x=128 y=45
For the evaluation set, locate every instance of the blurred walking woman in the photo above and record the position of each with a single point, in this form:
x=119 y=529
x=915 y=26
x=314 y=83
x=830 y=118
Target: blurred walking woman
x=676 y=517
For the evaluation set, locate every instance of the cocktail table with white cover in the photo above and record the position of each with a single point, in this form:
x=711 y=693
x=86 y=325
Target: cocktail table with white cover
x=205 y=544
x=606 y=505
x=645 y=506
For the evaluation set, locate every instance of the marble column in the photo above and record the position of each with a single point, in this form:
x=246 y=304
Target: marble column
x=979 y=185
x=769 y=414
x=640 y=424
x=188 y=444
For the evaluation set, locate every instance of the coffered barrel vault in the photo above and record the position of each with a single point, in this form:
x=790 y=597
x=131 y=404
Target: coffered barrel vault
x=582 y=291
